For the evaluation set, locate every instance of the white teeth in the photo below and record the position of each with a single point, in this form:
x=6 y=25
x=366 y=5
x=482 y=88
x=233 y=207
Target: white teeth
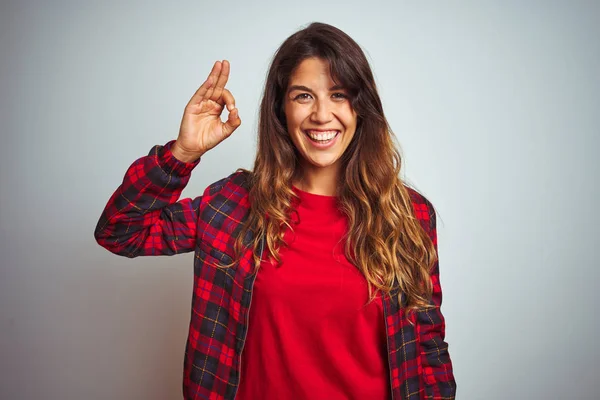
x=326 y=135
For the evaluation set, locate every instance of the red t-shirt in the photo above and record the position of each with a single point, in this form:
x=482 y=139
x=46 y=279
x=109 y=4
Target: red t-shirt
x=311 y=334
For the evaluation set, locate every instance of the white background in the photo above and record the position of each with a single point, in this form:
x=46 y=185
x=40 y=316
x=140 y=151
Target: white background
x=496 y=106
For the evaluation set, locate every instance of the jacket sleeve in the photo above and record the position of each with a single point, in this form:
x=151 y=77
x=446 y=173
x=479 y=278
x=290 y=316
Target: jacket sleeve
x=435 y=359
x=143 y=216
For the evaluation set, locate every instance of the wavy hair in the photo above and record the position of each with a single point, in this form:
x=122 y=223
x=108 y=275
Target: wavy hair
x=385 y=240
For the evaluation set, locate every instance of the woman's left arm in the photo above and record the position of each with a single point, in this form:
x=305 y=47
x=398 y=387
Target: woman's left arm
x=435 y=359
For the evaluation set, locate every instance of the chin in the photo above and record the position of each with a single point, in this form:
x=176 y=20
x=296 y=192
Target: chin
x=323 y=163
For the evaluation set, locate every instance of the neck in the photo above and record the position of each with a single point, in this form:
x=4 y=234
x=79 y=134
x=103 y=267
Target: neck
x=317 y=180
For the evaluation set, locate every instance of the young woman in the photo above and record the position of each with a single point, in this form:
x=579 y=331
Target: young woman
x=337 y=257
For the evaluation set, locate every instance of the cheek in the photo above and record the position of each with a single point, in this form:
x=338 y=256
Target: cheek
x=348 y=116
x=295 y=116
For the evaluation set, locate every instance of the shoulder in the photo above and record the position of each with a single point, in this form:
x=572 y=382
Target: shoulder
x=234 y=187
x=418 y=200
x=422 y=207
x=223 y=208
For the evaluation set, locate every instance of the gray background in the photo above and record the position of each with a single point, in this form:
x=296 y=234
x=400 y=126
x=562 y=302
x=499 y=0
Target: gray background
x=495 y=104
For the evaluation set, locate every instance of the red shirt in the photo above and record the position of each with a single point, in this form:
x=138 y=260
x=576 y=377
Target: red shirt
x=311 y=334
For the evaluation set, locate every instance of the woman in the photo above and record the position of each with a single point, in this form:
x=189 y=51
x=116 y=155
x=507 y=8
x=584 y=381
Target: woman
x=337 y=256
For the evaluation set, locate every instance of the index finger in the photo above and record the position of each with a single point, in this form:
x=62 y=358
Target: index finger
x=205 y=90
x=201 y=92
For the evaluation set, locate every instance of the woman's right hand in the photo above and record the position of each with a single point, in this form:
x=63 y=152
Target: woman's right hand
x=201 y=126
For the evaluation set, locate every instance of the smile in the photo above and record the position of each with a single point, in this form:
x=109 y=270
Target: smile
x=321 y=136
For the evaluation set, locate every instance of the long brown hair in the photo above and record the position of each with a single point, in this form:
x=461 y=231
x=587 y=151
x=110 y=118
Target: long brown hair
x=384 y=240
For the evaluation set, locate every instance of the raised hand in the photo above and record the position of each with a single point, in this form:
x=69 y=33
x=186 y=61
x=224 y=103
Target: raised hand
x=201 y=126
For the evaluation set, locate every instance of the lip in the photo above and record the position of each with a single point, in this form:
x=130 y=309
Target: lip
x=322 y=145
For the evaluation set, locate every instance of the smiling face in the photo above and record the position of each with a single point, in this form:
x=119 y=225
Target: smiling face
x=319 y=115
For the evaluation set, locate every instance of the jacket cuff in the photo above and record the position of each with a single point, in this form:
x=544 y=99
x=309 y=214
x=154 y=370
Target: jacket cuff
x=168 y=163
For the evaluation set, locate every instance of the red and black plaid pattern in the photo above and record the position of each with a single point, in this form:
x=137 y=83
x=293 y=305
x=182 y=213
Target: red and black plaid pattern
x=144 y=217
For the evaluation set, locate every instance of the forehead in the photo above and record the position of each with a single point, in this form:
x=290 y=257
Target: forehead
x=312 y=71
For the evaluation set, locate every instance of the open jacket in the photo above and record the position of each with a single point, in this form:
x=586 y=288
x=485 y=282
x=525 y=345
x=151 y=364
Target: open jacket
x=144 y=217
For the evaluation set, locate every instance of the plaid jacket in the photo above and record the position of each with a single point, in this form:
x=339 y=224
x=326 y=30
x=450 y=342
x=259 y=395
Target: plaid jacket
x=144 y=217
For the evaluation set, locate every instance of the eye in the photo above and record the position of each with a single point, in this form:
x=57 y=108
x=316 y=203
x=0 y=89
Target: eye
x=301 y=96
x=306 y=96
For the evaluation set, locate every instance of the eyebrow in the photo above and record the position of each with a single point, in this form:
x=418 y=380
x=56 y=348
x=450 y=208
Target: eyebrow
x=307 y=89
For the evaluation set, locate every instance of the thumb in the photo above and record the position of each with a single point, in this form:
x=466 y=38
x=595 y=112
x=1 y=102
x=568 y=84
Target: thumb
x=232 y=123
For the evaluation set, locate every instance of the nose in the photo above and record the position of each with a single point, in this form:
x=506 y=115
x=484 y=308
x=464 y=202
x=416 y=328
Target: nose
x=321 y=112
